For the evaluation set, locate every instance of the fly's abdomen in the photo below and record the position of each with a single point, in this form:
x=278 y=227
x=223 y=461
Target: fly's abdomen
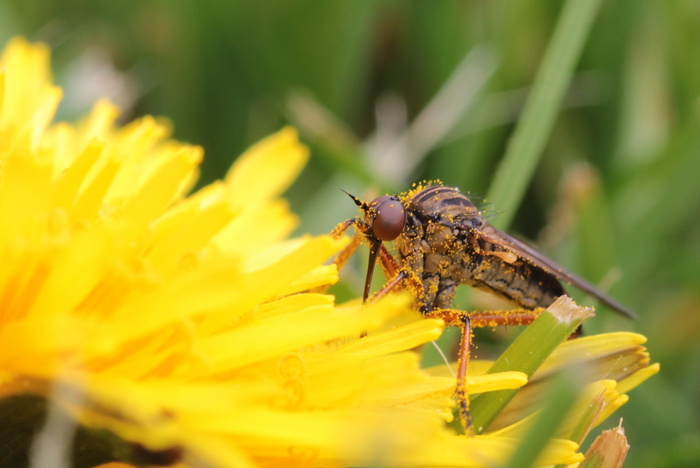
x=519 y=282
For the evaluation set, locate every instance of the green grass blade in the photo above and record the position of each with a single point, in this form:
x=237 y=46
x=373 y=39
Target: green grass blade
x=525 y=147
x=527 y=353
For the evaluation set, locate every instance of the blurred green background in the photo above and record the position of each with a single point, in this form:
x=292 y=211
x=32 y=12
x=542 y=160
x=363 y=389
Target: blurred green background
x=390 y=92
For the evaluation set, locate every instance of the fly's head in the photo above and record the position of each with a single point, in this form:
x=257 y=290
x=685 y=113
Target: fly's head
x=384 y=220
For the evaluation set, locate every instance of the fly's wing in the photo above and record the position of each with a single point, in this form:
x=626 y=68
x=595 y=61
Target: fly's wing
x=527 y=253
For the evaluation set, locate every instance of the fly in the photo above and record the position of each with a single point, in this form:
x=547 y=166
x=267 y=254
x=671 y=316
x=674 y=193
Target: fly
x=442 y=240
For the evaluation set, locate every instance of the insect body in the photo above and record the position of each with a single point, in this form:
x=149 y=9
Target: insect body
x=442 y=241
x=446 y=242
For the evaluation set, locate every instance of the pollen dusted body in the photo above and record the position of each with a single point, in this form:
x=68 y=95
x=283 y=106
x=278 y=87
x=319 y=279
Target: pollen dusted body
x=442 y=247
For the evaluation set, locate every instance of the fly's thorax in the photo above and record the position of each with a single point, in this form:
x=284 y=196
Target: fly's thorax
x=442 y=238
x=435 y=242
x=433 y=248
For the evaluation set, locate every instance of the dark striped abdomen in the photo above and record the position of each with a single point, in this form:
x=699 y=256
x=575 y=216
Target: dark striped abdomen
x=520 y=282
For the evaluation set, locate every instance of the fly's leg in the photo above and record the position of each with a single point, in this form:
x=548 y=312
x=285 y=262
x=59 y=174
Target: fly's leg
x=342 y=258
x=386 y=260
x=460 y=319
x=390 y=285
x=461 y=390
x=396 y=276
x=498 y=318
x=340 y=229
x=465 y=321
x=388 y=263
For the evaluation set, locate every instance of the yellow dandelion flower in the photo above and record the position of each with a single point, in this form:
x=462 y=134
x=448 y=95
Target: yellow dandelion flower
x=149 y=326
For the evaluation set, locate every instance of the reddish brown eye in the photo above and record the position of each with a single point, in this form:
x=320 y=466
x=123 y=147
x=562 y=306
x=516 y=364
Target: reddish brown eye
x=390 y=218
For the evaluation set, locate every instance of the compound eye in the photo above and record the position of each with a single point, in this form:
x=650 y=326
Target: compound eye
x=389 y=219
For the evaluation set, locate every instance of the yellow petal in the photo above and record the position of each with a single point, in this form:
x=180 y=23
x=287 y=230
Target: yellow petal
x=267 y=168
